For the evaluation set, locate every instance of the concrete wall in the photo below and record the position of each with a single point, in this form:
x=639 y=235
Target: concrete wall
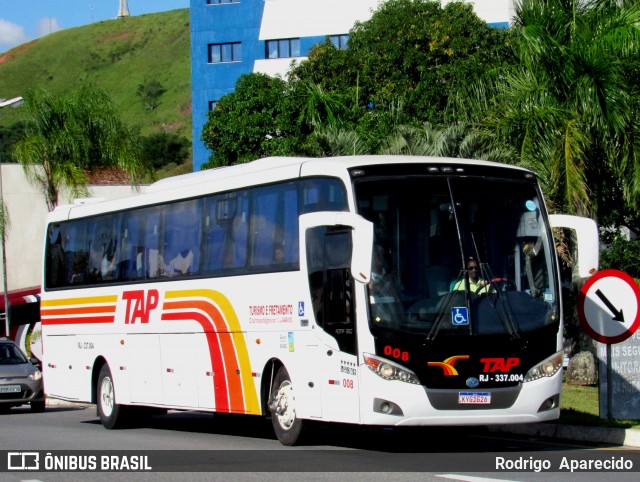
x=27 y=214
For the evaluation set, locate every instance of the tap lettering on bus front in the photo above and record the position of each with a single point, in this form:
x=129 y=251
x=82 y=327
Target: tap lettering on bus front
x=139 y=306
x=503 y=365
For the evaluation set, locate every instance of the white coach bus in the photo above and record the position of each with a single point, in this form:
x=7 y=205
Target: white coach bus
x=372 y=290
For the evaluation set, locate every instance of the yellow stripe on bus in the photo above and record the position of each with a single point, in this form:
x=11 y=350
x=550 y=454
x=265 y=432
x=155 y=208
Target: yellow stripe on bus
x=239 y=341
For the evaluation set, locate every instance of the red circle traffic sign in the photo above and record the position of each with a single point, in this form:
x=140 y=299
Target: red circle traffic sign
x=608 y=306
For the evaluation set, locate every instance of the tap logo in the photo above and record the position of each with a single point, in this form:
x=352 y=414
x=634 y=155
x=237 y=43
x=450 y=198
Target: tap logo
x=448 y=365
x=503 y=365
x=139 y=305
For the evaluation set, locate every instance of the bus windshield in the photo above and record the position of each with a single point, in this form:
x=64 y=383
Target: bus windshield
x=458 y=256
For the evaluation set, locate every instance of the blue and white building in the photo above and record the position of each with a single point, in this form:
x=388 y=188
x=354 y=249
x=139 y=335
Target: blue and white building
x=234 y=37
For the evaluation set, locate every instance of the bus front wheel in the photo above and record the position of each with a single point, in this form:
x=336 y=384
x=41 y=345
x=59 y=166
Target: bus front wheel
x=286 y=425
x=111 y=414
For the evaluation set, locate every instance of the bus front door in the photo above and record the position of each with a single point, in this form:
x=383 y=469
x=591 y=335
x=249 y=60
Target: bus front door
x=331 y=285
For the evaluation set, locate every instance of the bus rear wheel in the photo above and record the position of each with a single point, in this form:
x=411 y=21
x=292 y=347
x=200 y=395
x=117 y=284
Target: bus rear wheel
x=112 y=415
x=286 y=425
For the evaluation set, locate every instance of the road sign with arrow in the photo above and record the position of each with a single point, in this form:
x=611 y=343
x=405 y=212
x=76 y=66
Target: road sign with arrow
x=608 y=306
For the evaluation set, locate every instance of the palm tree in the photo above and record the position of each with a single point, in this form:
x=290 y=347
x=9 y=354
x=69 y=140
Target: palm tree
x=70 y=135
x=454 y=140
x=570 y=108
x=331 y=140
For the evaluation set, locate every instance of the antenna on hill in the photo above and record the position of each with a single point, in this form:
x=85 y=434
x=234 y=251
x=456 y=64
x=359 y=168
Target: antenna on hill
x=124 y=9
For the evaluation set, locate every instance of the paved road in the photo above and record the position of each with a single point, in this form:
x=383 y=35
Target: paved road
x=210 y=447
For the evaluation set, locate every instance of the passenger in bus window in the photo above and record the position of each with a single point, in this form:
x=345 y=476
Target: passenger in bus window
x=79 y=269
x=278 y=255
x=181 y=263
x=109 y=263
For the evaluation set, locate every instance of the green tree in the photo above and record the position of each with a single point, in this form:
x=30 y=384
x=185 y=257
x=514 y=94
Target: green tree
x=150 y=93
x=163 y=148
x=419 y=52
x=400 y=68
x=570 y=108
x=8 y=137
x=257 y=119
x=69 y=135
x=331 y=140
x=623 y=255
x=454 y=140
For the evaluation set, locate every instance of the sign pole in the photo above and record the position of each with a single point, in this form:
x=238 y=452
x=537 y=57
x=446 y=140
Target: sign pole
x=609 y=387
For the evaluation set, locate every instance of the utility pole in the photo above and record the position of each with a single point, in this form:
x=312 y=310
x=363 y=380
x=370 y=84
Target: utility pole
x=16 y=101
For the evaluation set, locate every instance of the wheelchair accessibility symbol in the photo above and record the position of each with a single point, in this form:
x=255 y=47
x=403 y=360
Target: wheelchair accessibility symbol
x=459 y=315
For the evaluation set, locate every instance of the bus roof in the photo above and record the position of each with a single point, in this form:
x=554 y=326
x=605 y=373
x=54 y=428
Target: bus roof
x=265 y=170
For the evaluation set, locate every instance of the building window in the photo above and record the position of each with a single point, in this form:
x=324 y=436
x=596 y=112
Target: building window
x=279 y=49
x=212 y=104
x=228 y=52
x=218 y=2
x=339 y=41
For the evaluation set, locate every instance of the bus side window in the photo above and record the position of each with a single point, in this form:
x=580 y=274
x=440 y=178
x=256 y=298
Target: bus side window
x=151 y=253
x=55 y=266
x=131 y=245
x=241 y=232
x=264 y=219
x=182 y=238
x=76 y=252
x=323 y=195
x=213 y=236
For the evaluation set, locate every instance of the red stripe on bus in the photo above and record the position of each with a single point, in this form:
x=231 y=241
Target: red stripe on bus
x=77 y=311
x=231 y=363
x=215 y=353
x=78 y=320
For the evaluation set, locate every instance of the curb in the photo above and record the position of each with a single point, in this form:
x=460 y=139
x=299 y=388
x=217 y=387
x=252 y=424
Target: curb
x=56 y=402
x=607 y=435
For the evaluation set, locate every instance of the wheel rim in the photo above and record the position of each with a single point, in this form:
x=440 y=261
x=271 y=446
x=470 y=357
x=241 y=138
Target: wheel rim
x=285 y=408
x=106 y=396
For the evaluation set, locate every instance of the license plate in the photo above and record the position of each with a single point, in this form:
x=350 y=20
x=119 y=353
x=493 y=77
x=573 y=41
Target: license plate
x=10 y=389
x=469 y=398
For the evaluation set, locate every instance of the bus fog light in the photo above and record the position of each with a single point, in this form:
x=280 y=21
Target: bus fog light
x=550 y=403
x=386 y=407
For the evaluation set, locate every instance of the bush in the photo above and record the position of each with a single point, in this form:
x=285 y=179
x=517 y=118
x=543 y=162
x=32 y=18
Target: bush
x=163 y=148
x=622 y=255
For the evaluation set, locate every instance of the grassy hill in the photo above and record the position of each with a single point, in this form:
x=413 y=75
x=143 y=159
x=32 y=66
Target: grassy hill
x=118 y=55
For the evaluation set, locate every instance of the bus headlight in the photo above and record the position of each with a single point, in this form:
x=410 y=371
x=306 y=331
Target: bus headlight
x=389 y=370
x=546 y=368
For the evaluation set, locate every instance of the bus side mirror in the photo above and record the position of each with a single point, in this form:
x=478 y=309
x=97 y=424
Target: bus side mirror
x=587 y=238
x=362 y=250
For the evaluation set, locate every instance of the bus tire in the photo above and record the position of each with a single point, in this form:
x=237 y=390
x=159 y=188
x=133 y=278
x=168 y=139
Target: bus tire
x=112 y=415
x=286 y=425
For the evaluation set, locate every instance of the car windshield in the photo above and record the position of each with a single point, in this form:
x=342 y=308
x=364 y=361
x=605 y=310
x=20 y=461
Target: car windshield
x=458 y=255
x=10 y=354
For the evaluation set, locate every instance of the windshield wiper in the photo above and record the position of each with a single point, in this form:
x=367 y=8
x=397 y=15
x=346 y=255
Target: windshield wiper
x=501 y=306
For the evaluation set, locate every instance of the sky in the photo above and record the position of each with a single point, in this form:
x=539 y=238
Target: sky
x=25 y=20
